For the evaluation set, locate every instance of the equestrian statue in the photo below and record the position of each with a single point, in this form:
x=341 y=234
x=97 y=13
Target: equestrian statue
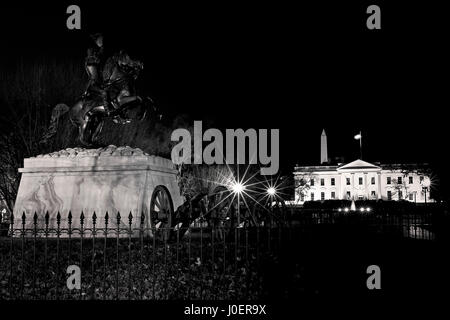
x=110 y=92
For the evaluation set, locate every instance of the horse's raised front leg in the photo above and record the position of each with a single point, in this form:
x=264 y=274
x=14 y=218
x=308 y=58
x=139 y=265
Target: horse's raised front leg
x=91 y=128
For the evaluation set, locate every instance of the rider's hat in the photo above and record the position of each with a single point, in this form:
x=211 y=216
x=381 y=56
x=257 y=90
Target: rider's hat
x=95 y=36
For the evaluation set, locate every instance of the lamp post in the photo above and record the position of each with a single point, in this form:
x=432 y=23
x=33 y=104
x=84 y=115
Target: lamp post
x=359 y=137
x=238 y=188
x=425 y=187
x=271 y=191
x=239 y=210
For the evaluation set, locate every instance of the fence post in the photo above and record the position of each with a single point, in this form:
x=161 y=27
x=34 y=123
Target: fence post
x=141 y=236
x=153 y=260
x=58 y=233
x=35 y=218
x=235 y=248
x=166 y=234
x=224 y=252
x=23 y=256
x=81 y=249
x=94 y=233
x=69 y=218
x=11 y=248
x=105 y=240
x=47 y=217
x=117 y=255
x=130 y=231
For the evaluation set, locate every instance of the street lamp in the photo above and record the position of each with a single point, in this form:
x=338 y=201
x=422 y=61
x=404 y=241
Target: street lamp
x=271 y=191
x=238 y=188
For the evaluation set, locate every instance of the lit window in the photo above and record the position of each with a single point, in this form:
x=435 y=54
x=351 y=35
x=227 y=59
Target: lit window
x=388 y=180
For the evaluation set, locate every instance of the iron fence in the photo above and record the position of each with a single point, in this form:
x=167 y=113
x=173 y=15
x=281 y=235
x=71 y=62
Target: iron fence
x=118 y=262
x=204 y=261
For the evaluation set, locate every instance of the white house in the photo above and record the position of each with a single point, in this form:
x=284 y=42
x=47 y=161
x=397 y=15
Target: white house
x=360 y=180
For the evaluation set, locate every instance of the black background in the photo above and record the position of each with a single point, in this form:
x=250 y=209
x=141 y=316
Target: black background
x=300 y=68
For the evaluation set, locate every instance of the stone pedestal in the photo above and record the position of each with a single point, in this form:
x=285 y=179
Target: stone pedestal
x=111 y=179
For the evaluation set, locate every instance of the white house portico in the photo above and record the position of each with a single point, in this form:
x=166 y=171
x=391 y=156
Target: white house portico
x=360 y=180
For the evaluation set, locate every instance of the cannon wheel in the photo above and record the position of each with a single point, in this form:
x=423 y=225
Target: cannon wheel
x=161 y=212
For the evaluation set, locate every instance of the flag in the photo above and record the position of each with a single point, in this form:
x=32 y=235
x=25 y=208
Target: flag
x=358 y=136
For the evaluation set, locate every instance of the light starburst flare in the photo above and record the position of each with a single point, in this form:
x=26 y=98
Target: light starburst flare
x=238 y=187
x=271 y=191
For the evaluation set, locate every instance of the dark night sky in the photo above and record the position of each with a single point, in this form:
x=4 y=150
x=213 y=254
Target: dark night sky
x=297 y=68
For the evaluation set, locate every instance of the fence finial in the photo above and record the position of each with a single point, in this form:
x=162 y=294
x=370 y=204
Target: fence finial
x=130 y=218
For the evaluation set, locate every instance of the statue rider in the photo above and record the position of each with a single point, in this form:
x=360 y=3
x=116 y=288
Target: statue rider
x=110 y=79
x=119 y=74
x=94 y=64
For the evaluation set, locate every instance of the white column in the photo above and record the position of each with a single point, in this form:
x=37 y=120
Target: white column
x=379 y=185
x=353 y=187
x=366 y=190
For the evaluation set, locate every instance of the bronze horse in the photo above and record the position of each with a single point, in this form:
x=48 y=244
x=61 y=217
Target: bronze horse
x=89 y=112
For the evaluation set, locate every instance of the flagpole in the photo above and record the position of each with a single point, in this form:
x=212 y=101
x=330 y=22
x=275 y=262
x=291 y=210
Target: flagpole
x=360 y=145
